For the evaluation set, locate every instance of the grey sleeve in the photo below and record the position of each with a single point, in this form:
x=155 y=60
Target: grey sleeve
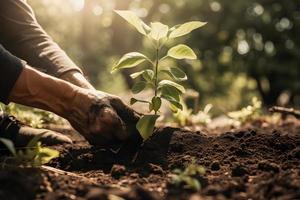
x=21 y=34
x=10 y=69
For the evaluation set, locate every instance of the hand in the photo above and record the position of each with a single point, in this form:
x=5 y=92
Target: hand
x=103 y=119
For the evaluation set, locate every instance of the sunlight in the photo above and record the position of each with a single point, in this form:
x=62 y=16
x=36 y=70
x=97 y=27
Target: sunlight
x=97 y=10
x=77 y=4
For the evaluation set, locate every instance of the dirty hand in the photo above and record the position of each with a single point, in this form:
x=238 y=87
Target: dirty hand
x=103 y=119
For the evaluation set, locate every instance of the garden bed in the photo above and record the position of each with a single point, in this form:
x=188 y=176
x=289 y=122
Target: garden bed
x=259 y=161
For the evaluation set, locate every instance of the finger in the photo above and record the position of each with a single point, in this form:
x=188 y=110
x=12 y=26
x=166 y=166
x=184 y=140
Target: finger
x=105 y=126
x=124 y=111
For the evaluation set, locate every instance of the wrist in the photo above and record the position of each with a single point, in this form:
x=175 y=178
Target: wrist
x=76 y=78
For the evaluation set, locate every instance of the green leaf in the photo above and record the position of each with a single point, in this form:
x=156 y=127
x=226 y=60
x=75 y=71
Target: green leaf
x=182 y=51
x=41 y=155
x=150 y=107
x=45 y=155
x=173 y=101
x=158 y=31
x=138 y=87
x=186 y=28
x=133 y=101
x=156 y=103
x=192 y=183
x=130 y=60
x=173 y=28
x=148 y=75
x=9 y=145
x=176 y=73
x=171 y=91
x=172 y=84
x=146 y=124
x=134 y=20
x=136 y=74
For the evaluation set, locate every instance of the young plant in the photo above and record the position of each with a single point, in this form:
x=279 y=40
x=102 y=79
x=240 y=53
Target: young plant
x=32 y=116
x=189 y=178
x=249 y=113
x=185 y=117
x=170 y=90
x=33 y=155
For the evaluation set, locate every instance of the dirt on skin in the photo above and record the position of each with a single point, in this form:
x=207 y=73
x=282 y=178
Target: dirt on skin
x=259 y=161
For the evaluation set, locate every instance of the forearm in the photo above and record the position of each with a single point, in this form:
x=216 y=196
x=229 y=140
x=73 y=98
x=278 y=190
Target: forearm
x=37 y=89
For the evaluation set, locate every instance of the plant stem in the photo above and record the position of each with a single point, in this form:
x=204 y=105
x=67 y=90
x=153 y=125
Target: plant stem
x=156 y=74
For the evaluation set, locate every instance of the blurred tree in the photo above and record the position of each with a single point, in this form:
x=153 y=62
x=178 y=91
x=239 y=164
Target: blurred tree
x=259 y=38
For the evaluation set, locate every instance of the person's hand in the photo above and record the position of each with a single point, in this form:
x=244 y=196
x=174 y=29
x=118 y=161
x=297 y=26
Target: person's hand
x=103 y=119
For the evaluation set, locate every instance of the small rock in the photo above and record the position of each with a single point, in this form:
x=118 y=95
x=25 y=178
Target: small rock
x=238 y=171
x=117 y=171
x=215 y=166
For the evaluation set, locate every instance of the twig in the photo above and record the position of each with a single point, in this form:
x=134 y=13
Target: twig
x=70 y=174
x=286 y=111
x=83 y=178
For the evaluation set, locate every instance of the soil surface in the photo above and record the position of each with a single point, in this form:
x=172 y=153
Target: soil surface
x=258 y=161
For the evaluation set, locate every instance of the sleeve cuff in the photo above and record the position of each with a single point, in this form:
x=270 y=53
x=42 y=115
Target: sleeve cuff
x=10 y=70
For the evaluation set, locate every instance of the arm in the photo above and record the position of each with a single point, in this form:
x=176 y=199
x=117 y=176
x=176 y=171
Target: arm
x=21 y=34
x=99 y=117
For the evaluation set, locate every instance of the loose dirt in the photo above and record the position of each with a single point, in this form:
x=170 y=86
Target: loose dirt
x=258 y=161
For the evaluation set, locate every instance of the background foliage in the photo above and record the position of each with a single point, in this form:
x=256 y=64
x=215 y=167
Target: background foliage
x=247 y=48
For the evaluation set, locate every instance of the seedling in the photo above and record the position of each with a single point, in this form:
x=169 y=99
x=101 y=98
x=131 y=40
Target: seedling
x=170 y=90
x=189 y=178
x=32 y=116
x=185 y=117
x=33 y=155
x=249 y=113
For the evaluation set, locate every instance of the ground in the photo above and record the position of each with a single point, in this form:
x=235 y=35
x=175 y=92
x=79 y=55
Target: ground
x=256 y=161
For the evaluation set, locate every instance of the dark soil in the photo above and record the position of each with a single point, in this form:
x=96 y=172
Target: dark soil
x=256 y=162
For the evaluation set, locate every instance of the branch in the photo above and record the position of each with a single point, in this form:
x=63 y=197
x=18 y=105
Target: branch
x=286 y=111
